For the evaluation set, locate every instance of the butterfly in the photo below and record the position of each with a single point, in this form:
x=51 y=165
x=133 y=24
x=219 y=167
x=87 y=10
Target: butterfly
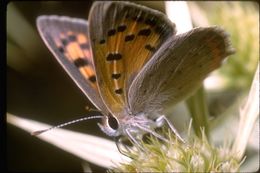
x=128 y=60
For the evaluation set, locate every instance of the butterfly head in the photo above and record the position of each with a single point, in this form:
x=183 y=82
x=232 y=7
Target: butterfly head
x=127 y=125
x=110 y=125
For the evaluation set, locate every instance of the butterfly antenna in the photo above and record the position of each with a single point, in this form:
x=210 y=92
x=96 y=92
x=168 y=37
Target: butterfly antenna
x=65 y=124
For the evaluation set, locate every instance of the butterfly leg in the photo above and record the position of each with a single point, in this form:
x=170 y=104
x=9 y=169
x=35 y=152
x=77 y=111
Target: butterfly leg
x=123 y=149
x=133 y=140
x=153 y=133
x=162 y=119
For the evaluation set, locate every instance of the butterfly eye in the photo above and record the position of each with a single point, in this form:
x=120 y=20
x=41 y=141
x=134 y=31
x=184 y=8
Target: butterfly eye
x=112 y=122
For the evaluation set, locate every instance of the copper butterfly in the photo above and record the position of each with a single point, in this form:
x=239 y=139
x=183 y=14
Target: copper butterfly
x=128 y=61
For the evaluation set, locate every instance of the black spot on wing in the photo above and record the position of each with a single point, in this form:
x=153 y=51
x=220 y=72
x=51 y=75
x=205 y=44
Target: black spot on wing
x=80 y=62
x=150 y=48
x=119 y=91
x=114 y=56
x=129 y=37
x=102 y=41
x=111 y=32
x=145 y=32
x=92 y=78
x=116 y=76
x=121 y=28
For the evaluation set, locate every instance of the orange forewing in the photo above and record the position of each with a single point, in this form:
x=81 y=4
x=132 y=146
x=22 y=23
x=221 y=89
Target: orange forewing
x=123 y=48
x=74 y=51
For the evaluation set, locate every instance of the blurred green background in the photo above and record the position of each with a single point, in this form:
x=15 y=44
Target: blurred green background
x=39 y=89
